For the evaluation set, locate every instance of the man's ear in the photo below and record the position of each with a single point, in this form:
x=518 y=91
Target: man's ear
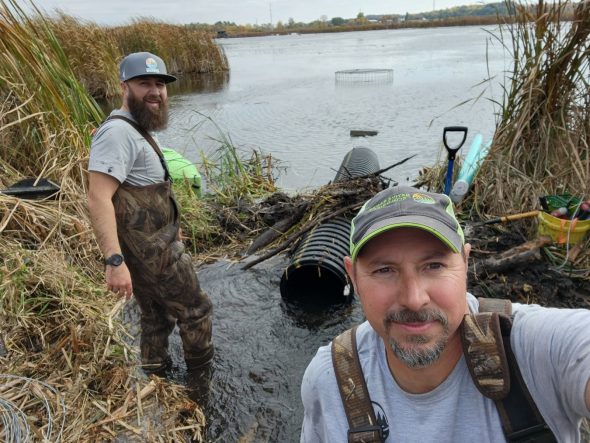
x=466 y=252
x=124 y=88
x=349 y=266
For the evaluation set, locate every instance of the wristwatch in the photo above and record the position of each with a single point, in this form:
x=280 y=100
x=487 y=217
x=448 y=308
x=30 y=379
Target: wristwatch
x=114 y=260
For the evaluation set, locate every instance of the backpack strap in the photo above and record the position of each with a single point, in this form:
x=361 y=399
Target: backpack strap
x=363 y=426
x=495 y=372
x=148 y=138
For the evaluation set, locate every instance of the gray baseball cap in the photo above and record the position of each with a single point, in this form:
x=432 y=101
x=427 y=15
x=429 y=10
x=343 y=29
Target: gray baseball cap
x=404 y=206
x=144 y=64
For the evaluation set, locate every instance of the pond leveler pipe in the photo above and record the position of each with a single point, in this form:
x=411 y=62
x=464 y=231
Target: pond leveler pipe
x=316 y=274
x=452 y=152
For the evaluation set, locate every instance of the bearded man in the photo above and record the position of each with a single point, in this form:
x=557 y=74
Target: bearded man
x=137 y=222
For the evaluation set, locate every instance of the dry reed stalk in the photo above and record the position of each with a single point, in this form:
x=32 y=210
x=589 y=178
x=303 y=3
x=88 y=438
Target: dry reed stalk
x=185 y=50
x=92 y=53
x=540 y=146
x=59 y=328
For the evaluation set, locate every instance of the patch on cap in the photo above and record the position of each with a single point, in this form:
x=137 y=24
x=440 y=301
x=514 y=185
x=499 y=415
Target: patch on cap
x=423 y=198
x=151 y=66
x=404 y=206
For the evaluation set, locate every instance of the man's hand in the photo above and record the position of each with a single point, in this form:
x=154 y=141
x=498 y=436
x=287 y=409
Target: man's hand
x=119 y=280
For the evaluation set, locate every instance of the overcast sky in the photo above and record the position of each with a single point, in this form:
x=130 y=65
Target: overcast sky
x=114 y=12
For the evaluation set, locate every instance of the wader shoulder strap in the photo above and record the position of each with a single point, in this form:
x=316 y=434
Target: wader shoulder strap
x=362 y=423
x=495 y=372
x=148 y=138
x=500 y=305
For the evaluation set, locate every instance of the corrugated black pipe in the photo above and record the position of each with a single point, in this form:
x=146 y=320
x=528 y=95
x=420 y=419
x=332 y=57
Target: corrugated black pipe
x=316 y=273
x=356 y=163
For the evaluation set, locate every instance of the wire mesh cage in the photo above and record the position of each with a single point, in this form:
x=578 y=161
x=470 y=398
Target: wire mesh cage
x=365 y=76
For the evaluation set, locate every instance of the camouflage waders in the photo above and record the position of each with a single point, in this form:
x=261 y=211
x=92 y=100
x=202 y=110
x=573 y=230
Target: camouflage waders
x=164 y=282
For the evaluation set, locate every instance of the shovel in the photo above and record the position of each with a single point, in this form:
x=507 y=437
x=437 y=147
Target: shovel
x=32 y=189
x=507 y=218
x=452 y=152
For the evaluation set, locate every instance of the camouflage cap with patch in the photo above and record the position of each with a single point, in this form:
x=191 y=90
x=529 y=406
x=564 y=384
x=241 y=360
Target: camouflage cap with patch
x=404 y=206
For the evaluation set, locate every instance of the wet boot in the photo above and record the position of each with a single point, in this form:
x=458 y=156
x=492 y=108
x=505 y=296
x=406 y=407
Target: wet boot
x=195 y=329
x=198 y=382
x=155 y=330
x=159 y=369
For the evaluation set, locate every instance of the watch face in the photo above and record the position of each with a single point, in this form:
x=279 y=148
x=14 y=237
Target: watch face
x=114 y=260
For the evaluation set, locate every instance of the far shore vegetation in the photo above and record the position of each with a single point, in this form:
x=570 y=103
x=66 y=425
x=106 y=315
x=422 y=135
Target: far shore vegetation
x=468 y=15
x=64 y=350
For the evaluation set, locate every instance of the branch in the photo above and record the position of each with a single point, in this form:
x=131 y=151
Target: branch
x=292 y=237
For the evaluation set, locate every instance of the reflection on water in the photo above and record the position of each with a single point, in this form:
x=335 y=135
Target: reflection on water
x=198 y=83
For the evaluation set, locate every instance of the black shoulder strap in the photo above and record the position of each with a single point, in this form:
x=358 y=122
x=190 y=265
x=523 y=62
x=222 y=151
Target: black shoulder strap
x=148 y=138
x=495 y=372
x=362 y=423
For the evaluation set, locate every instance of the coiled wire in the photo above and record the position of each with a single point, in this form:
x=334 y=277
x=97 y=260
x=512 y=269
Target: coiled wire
x=16 y=428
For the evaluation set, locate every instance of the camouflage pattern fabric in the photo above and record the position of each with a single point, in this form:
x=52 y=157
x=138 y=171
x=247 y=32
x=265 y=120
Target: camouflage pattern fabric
x=165 y=284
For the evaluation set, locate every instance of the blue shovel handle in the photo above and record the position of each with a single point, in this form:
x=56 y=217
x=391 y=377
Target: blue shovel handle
x=449 y=177
x=451 y=154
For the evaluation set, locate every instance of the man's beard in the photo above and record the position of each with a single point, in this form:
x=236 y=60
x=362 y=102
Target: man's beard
x=148 y=119
x=416 y=357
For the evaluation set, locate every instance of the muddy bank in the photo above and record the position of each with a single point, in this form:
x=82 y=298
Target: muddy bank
x=543 y=276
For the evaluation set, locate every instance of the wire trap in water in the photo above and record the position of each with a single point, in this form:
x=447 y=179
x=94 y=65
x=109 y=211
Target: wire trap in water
x=365 y=76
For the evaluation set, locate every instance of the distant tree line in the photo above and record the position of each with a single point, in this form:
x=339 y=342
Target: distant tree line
x=457 y=16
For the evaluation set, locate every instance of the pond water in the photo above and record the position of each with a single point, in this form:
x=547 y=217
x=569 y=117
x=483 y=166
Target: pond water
x=282 y=97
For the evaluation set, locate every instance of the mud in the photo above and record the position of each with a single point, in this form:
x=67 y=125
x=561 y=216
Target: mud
x=547 y=279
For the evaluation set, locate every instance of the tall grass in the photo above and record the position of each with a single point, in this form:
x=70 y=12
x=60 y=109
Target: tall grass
x=186 y=50
x=94 y=51
x=232 y=175
x=542 y=142
x=59 y=324
x=45 y=116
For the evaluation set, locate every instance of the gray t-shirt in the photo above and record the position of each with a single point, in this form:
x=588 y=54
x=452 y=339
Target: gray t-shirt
x=551 y=345
x=120 y=151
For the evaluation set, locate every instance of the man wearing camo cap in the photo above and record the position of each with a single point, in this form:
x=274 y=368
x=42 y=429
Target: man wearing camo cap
x=137 y=221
